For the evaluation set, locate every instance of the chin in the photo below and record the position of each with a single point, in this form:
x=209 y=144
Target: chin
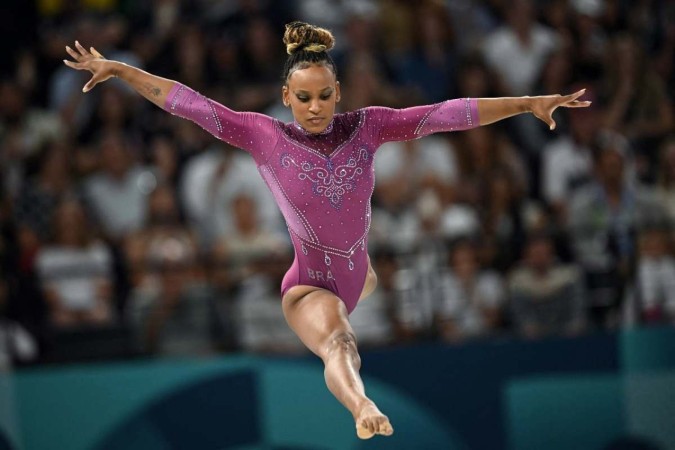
x=315 y=128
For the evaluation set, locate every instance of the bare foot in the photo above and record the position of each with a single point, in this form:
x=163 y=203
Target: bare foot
x=370 y=421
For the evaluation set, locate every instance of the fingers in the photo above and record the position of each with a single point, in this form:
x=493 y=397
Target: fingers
x=572 y=102
x=72 y=65
x=576 y=95
x=578 y=104
x=90 y=84
x=95 y=53
x=83 y=51
x=76 y=56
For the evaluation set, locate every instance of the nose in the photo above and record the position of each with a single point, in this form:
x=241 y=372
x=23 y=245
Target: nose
x=314 y=107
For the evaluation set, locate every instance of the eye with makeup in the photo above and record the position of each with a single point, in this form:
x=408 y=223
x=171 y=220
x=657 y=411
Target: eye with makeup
x=305 y=99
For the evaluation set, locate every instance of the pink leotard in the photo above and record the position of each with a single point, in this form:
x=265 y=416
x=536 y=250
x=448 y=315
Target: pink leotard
x=323 y=182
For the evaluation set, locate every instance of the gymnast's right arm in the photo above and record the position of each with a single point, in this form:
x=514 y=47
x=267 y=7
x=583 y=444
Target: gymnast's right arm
x=252 y=132
x=152 y=87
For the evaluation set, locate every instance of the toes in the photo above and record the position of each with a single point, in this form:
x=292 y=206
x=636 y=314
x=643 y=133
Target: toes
x=367 y=428
x=386 y=429
x=363 y=432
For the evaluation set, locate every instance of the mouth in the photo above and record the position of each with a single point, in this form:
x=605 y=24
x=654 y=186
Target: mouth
x=315 y=120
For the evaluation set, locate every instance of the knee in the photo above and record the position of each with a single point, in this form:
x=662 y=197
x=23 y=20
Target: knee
x=342 y=343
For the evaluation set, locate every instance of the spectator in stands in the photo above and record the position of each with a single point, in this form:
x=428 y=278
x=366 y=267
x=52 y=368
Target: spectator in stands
x=502 y=210
x=471 y=297
x=27 y=127
x=637 y=103
x=170 y=306
x=374 y=320
x=255 y=261
x=258 y=320
x=517 y=53
x=117 y=193
x=363 y=66
x=665 y=178
x=75 y=271
x=518 y=50
x=567 y=162
x=429 y=67
x=546 y=297
x=656 y=277
x=41 y=193
x=113 y=114
x=603 y=220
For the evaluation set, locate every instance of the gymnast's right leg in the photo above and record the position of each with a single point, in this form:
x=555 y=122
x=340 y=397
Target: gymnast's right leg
x=320 y=320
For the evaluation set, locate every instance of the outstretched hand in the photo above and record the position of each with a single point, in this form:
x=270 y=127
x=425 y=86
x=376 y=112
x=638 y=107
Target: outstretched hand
x=93 y=61
x=543 y=106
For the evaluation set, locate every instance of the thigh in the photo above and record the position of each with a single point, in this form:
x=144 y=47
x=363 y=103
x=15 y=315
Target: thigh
x=317 y=316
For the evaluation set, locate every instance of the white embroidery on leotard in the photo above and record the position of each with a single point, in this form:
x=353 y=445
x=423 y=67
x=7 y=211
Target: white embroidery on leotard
x=332 y=183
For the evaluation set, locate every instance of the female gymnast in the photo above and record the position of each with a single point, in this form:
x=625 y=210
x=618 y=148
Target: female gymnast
x=320 y=171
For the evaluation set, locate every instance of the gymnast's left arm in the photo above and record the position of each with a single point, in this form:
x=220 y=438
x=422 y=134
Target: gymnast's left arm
x=491 y=110
x=462 y=114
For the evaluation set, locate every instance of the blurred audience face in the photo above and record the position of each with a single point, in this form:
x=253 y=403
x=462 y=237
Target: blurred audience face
x=626 y=55
x=261 y=41
x=115 y=158
x=481 y=144
x=112 y=107
x=70 y=224
x=464 y=261
x=473 y=81
x=162 y=206
x=245 y=217
x=501 y=189
x=655 y=244
x=12 y=102
x=610 y=167
x=557 y=72
x=55 y=170
x=539 y=254
x=165 y=158
x=520 y=15
x=585 y=122
x=360 y=33
x=584 y=125
x=435 y=27
x=191 y=50
x=667 y=162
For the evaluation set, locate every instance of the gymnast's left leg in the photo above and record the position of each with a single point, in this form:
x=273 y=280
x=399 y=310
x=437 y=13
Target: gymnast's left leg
x=320 y=320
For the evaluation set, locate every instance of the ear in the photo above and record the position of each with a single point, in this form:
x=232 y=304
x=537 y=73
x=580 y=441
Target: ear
x=337 y=91
x=285 y=96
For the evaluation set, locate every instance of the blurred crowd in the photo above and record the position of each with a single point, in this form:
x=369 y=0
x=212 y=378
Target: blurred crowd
x=126 y=231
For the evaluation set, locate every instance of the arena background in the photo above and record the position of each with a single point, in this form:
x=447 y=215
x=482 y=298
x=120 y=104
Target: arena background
x=526 y=294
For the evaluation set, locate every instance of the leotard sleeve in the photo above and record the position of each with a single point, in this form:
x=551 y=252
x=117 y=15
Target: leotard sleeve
x=256 y=133
x=387 y=124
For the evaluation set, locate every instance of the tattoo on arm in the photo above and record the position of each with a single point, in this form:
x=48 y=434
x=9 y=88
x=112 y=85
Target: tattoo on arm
x=149 y=89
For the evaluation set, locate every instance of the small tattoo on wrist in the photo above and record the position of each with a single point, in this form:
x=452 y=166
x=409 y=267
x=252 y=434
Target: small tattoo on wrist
x=152 y=90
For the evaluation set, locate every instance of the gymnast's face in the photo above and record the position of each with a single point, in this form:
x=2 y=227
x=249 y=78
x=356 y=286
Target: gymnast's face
x=312 y=94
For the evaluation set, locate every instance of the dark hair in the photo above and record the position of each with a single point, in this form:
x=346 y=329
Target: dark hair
x=307 y=45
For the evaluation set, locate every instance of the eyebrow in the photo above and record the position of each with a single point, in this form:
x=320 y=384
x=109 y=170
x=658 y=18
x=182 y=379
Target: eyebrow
x=302 y=91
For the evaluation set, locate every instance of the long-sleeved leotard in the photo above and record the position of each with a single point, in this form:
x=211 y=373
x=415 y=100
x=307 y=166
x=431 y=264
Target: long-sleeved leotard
x=323 y=182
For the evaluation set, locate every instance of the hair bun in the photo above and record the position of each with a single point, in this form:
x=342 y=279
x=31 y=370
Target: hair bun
x=301 y=36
